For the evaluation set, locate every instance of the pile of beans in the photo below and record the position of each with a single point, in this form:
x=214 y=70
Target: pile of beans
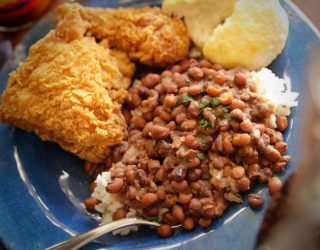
x=198 y=137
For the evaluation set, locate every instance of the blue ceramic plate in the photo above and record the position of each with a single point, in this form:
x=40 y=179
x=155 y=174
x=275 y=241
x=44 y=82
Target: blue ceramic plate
x=42 y=186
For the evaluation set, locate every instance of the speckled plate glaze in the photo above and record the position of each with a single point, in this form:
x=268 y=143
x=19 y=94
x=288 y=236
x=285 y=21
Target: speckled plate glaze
x=42 y=186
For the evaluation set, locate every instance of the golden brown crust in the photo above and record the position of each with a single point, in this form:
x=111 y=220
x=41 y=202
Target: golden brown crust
x=65 y=92
x=70 y=88
x=146 y=34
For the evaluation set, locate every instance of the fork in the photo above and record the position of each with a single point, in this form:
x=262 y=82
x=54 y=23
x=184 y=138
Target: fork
x=84 y=238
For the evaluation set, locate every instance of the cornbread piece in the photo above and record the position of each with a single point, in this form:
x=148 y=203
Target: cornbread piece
x=252 y=37
x=201 y=17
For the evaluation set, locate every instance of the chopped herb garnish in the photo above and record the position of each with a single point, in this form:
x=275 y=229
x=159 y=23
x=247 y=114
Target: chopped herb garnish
x=203 y=104
x=233 y=197
x=204 y=141
x=205 y=123
x=156 y=219
x=136 y=82
x=225 y=109
x=154 y=142
x=201 y=156
x=227 y=116
x=213 y=112
x=185 y=98
x=215 y=101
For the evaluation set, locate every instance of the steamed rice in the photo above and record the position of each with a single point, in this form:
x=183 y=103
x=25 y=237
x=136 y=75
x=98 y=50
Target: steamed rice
x=110 y=203
x=276 y=90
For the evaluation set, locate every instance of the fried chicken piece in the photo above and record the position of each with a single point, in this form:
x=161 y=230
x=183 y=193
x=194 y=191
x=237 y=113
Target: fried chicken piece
x=120 y=61
x=67 y=91
x=147 y=34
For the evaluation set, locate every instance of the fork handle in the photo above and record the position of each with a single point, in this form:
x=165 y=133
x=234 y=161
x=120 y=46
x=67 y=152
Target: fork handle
x=84 y=238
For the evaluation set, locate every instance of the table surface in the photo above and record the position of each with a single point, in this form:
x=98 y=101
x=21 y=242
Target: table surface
x=311 y=9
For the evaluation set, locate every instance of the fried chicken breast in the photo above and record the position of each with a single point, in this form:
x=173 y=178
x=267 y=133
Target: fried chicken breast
x=147 y=34
x=69 y=90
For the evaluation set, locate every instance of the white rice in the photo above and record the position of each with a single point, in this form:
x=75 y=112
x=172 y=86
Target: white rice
x=276 y=90
x=124 y=231
x=110 y=203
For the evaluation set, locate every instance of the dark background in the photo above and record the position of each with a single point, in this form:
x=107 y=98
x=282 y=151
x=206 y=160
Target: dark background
x=311 y=8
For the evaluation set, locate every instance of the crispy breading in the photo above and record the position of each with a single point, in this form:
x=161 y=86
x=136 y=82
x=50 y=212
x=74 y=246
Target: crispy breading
x=69 y=90
x=120 y=60
x=146 y=34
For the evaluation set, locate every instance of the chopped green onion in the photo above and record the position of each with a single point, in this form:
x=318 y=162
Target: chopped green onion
x=136 y=82
x=205 y=123
x=201 y=156
x=227 y=116
x=213 y=112
x=225 y=109
x=233 y=197
x=154 y=142
x=215 y=101
x=156 y=219
x=203 y=104
x=204 y=141
x=185 y=98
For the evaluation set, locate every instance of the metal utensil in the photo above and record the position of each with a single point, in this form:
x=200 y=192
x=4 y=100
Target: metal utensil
x=84 y=238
